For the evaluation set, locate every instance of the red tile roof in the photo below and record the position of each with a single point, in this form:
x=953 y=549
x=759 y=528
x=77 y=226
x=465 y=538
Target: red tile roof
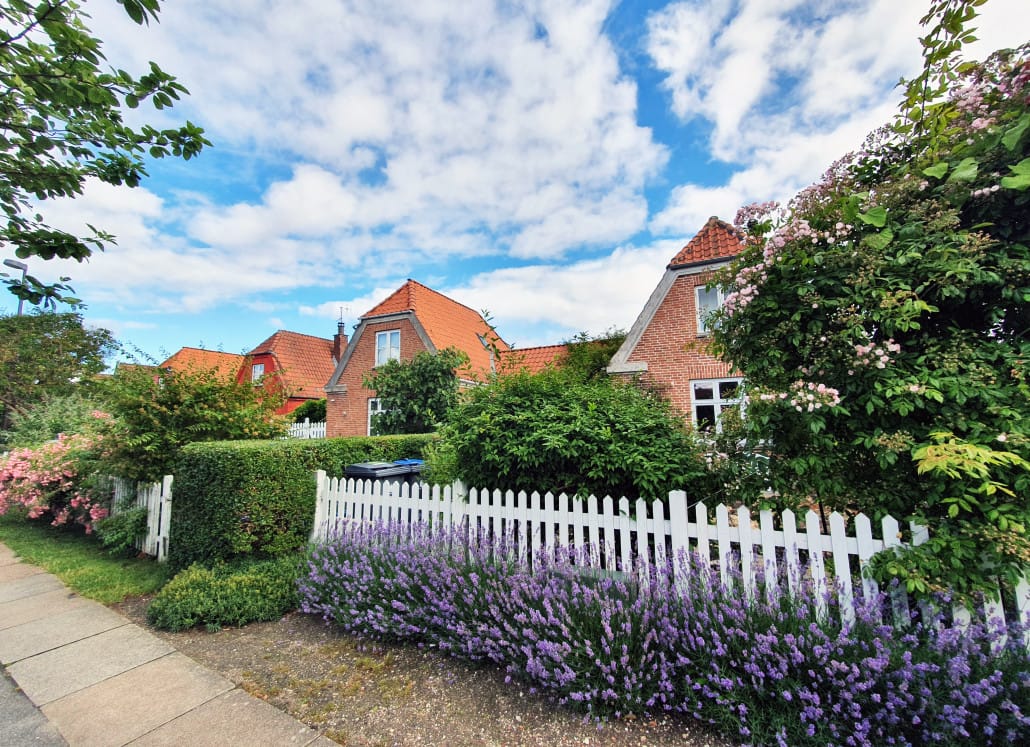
x=447 y=322
x=305 y=361
x=716 y=240
x=225 y=364
x=532 y=360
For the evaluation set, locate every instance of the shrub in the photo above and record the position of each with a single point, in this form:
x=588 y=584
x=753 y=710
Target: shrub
x=258 y=497
x=765 y=670
x=416 y=395
x=227 y=594
x=554 y=431
x=119 y=532
x=313 y=410
x=56 y=480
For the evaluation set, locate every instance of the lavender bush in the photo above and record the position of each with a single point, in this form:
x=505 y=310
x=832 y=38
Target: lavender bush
x=766 y=671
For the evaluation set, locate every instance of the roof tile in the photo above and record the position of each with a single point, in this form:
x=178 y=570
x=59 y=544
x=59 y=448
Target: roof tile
x=226 y=364
x=305 y=361
x=533 y=360
x=447 y=322
x=716 y=240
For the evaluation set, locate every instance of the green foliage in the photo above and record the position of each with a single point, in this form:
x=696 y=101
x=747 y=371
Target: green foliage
x=415 y=395
x=239 y=498
x=80 y=562
x=46 y=356
x=119 y=532
x=227 y=594
x=155 y=413
x=554 y=432
x=587 y=357
x=61 y=123
x=53 y=415
x=881 y=324
x=313 y=410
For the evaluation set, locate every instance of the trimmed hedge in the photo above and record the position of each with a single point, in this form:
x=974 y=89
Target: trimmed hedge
x=257 y=498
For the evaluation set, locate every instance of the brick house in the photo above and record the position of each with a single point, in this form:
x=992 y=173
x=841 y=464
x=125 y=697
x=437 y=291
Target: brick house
x=294 y=363
x=412 y=319
x=667 y=344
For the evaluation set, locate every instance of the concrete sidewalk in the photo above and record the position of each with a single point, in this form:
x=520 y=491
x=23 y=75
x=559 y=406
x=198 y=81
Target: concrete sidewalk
x=79 y=674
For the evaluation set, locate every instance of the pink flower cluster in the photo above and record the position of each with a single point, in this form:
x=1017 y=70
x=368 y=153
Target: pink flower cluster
x=876 y=355
x=46 y=480
x=805 y=396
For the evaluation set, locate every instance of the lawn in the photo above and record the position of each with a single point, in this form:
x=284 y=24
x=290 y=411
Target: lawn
x=80 y=561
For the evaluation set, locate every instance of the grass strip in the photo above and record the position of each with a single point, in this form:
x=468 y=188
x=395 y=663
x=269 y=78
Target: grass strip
x=80 y=561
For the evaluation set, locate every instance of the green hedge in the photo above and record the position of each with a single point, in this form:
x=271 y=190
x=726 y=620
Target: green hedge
x=257 y=498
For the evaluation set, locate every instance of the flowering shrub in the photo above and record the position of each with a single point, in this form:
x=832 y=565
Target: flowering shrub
x=899 y=284
x=766 y=671
x=54 y=481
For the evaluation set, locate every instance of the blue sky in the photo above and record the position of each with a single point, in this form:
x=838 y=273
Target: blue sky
x=539 y=160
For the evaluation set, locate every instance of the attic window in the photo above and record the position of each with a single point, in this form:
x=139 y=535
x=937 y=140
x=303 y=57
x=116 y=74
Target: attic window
x=709 y=300
x=257 y=370
x=710 y=398
x=388 y=346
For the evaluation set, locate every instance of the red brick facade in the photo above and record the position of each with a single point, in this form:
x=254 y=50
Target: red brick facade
x=663 y=348
x=347 y=400
x=670 y=346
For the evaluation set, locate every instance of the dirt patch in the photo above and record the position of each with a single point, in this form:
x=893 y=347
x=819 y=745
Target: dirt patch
x=363 y=694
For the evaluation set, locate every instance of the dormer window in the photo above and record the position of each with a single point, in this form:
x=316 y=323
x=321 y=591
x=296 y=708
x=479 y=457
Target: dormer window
x=709 y=300
x=257 y=370
x=388 y=346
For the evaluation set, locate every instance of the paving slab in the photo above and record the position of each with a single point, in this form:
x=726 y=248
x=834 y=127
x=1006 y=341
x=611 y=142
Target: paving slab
x=54 y=674
x=14 y=571
x=122 y=708
x=21 y=723
x=28 y=586
x=7 y=555
x=229 y=720
x=38 y=607
x=35 y=637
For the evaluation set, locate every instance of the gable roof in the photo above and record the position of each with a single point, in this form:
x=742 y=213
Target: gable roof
x=305 y=361
x=717 y=239
x=446 y=322
x=225 y=364
x=532 y=360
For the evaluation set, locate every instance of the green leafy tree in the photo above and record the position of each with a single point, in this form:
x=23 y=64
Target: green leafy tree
x=46 y=420
x=313 y=410
x=556 y=432
x=155 y=413
x=61 y=123
x=587 y=356
x=45 y=356
x=881 y=321
x=415 y=396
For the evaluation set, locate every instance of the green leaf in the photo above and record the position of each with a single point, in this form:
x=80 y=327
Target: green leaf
x=1021 y=176
x=965 y=171
x=1015 y=133
x=938 y=170
x=880 y=240
x=877 y=216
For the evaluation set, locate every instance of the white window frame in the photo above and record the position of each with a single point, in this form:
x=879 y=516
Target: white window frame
x=702 y=327
x=718 y=402
x=257 y=370
x=385 y=349
x=374 y=408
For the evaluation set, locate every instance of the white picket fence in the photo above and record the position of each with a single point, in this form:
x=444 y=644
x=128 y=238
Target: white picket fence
x=307 y=429
x=621 y=533
x=157 y=499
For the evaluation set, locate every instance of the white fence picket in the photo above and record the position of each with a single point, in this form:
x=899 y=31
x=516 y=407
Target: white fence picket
x=623 y=534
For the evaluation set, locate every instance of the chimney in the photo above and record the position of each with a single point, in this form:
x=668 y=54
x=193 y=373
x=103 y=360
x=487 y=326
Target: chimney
x=339 y=341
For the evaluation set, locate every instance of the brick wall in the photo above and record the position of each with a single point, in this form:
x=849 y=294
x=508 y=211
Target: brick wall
x=674 y=353
x=347 y=412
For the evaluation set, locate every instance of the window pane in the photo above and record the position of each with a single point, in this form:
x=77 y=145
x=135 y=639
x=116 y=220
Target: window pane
x=257 y=371
x=704 y=391
x=727 y=389
x=707 y=300
x=705 y=415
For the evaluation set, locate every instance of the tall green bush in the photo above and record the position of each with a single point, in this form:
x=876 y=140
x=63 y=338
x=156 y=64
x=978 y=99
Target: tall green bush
x=556 y=432
x=257 y=498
